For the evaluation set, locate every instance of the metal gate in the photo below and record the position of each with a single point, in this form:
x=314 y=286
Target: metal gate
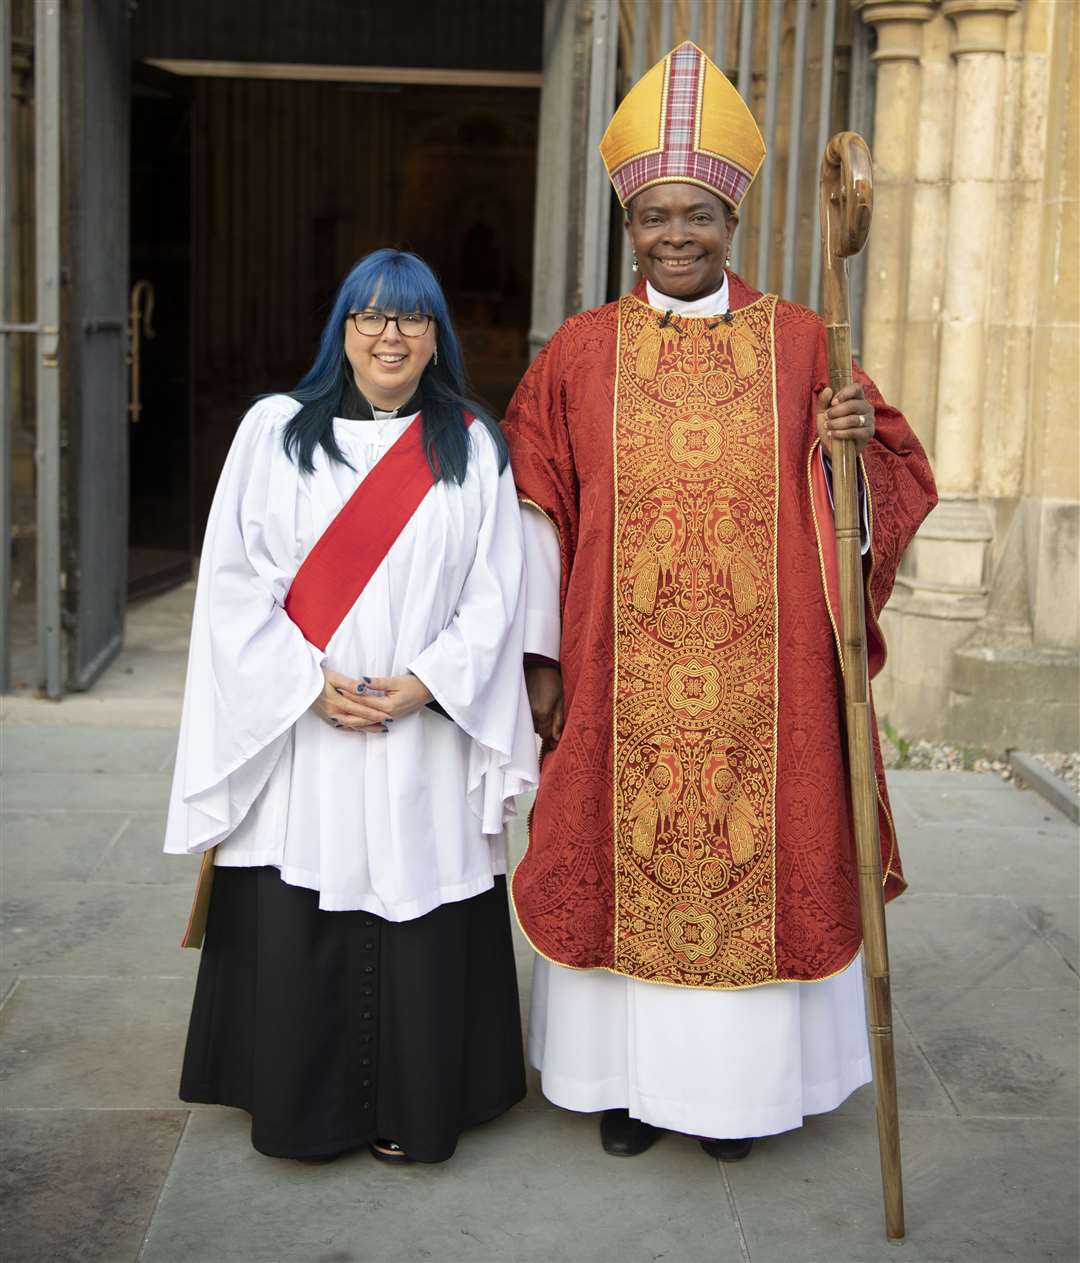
x=804 y=68
x=80 y=107
x=94 y=334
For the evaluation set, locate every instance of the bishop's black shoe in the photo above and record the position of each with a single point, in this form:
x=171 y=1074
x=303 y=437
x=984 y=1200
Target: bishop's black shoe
x=728 y=1150
x=626 y=1137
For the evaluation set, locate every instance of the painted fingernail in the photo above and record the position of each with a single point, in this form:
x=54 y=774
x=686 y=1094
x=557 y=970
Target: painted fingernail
x=388 y=721
x=360 y=688
x=367 y=679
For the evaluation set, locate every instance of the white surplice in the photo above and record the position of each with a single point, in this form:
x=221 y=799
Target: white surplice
x=395 y=823
x=722 y=1064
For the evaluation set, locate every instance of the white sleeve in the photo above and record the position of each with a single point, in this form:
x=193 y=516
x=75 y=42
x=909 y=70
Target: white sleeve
x=543 y=573
x=474 y=666
x=251 y=674
x=864 y=508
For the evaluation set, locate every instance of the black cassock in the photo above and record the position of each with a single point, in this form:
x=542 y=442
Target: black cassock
x=333 y=1029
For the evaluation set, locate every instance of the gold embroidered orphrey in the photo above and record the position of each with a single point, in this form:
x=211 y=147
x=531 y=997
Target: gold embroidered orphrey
x=695 y=711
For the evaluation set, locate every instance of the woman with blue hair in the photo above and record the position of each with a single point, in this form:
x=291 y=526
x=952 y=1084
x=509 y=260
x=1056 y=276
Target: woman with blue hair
x=355 y=729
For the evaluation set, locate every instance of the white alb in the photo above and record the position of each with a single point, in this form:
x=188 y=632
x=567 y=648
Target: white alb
x=395 y=823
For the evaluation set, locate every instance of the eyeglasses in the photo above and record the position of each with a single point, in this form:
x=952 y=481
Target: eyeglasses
x=372 y=323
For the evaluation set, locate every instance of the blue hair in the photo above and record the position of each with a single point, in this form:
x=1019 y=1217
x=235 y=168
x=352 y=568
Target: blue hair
x=402 y=283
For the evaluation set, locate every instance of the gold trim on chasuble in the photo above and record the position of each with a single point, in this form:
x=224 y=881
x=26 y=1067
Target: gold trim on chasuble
x=695 y=698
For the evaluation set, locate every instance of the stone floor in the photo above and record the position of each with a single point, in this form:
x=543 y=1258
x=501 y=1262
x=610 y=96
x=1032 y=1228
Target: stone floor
x=102 y=1164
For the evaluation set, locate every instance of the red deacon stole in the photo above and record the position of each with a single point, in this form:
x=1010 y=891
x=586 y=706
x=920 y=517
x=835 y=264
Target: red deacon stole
x=350 y=550
x=337 y=570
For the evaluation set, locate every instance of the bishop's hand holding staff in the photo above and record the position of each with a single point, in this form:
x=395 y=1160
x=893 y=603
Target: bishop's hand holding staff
x=690 y=884
x=354 y=733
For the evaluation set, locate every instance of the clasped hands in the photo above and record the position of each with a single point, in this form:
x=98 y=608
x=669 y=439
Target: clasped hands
x=371 y=703
x=849 y=416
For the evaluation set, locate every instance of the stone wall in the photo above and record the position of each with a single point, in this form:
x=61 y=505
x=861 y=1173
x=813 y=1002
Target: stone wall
x=972 y=328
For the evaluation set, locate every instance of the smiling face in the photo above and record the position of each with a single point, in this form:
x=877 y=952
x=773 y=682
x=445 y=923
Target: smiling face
x=680 y=235
x=387 y=368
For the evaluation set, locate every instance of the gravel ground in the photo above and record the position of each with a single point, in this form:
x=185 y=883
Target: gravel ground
x=1067 y=766
x=931 y=756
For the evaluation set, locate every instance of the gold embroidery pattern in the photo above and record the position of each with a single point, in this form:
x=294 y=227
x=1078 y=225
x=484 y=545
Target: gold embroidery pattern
x=696 y=643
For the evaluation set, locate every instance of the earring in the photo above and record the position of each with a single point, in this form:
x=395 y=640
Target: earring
x=633 y=265
x=435 y=357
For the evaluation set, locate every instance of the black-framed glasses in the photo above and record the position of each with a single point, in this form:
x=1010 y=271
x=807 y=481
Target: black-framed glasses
x=372 y=323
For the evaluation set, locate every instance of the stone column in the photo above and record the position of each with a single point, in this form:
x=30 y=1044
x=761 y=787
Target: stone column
x=942 y=592
x=979 y=52
x=929 y=219
x=899 y=45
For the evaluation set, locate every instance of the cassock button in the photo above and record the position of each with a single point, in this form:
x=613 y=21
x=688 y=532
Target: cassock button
x=365 y=1105
x=366 y=1015
x=369 y=969
x=366 y=1083
x=366 y=991
x=369 y=921
x=365 y=1061
x=369 y=946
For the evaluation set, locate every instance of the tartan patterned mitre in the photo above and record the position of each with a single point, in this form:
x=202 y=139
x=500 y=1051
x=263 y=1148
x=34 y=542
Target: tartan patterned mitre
x=683 y=122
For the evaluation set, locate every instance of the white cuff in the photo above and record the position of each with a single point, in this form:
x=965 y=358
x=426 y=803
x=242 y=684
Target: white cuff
x=864 y=504
x=543 y=571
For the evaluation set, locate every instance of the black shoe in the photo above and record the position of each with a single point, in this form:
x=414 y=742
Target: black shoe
x=626 y=1137
x=387 y=1151
x=728 y=1150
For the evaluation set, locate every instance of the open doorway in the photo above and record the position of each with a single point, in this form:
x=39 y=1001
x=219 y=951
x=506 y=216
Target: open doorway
x=251 y=199
x=160 y=528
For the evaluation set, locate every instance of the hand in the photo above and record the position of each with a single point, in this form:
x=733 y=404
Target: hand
x=545 y=688
x=402 y=694
x=849 y=417
x=343 y=704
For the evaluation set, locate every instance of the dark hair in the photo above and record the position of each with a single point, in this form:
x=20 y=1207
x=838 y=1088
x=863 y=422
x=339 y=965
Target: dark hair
x=392 y=281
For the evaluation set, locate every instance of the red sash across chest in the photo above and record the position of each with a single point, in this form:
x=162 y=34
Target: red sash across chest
x=350 y=550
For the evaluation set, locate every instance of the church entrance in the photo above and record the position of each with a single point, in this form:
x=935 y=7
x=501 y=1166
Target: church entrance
x=251 y=198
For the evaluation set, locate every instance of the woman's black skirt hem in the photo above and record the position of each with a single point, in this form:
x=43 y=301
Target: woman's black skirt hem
x=333 y=1029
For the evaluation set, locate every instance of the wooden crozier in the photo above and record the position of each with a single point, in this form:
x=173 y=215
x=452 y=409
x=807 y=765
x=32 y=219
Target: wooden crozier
x=847 y=202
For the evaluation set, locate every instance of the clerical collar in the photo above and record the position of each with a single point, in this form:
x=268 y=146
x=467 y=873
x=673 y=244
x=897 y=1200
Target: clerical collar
x=353 y=406
x=711 y=305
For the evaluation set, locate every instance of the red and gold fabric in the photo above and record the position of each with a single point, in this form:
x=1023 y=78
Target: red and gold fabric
x=692 y=825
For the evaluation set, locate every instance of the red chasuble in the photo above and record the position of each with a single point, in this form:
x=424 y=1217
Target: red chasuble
x=692 y=826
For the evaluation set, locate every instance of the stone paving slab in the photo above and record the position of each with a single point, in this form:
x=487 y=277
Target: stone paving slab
x=1057 y=919
x=53 y=847
x=1000 y=1052
x=1032 y=861
x=91 y=1176
x=136 y=857
x=530 y=1186
x=117 y=792
x=81 y=749
x=937 y=940
x=109 y=928
x=975 y=1192
x=94 y=1042
x=964 y=800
